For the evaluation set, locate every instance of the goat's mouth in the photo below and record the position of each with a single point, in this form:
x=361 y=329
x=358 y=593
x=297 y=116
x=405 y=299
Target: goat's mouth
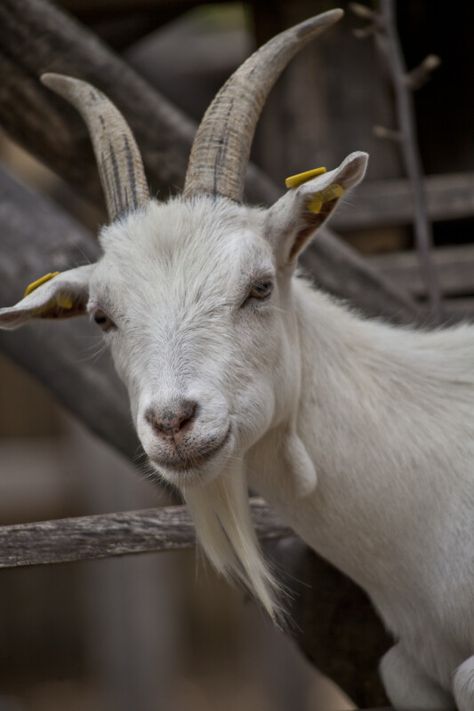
x=184 y=462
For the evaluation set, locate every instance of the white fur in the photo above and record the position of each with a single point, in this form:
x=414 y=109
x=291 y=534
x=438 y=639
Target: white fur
x=359 y=433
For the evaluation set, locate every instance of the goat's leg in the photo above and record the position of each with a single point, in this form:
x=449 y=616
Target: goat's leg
x=463 y=685
x=408 y=687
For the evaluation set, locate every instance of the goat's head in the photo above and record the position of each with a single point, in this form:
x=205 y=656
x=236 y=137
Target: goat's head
x=194 y=295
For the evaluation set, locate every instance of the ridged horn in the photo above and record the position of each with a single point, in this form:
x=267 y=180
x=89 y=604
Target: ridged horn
x=120 y=165
x=221 y=148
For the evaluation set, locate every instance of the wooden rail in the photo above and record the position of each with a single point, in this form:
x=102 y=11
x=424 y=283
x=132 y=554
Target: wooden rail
x=382 y=203
x=106 y=535
x=455 y=266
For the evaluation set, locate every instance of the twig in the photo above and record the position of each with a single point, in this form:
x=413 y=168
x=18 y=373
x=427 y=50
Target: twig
x=387 y=133
x=102 y=536
x=389 y=43
x=422 y=73
x=363 y=11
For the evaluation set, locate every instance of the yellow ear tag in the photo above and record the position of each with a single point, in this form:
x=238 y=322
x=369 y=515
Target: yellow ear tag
x=39 y=282
x=64 y=302
x=332 y=192
x=293 y=181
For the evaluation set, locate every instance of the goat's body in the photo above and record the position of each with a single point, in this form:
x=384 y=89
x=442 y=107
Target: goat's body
x=387 y=416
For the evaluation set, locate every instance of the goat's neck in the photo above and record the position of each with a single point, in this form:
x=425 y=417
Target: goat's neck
x=379 y=413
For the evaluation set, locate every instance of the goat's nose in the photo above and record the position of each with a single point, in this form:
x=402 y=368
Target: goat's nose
x=172 y=419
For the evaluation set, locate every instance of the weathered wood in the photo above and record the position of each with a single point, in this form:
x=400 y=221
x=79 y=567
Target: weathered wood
x=36 y=37
x=38 y=237
x=338 y=269
x=332 y=621
x=460 y=309
x=190 y=79
x=121 y=31
x=118 y=6
x=455 y=266
x=383 y=203
x=101 y=536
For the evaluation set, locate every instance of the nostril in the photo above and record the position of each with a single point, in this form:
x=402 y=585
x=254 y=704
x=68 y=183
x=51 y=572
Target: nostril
x=172 y=419
x=188 y=412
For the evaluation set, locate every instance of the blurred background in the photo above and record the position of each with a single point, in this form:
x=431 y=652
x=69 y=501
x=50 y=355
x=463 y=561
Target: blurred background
x=160 y=631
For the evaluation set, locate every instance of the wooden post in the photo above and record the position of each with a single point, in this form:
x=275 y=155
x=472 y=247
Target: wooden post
x=37 y=237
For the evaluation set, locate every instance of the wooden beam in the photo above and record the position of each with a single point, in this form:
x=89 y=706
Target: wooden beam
x=459 y=309
x=384 y=203
x=52 y=131
x=119 y=6
x=338 y=269
x=105 y=535
x=37 y=238
x=330 y=615
x=455 y=266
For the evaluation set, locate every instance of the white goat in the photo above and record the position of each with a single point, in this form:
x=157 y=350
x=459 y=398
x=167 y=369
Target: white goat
x=360 y=434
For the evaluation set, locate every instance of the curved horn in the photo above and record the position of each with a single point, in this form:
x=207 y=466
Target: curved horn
x=221 y=148
x=118 y=158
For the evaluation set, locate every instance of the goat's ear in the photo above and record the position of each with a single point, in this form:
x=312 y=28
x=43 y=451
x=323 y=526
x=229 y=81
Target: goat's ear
x=53 y=296
x=293 y=220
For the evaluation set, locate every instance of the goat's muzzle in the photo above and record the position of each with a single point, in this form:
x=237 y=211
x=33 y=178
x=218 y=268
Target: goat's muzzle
x=178 y=437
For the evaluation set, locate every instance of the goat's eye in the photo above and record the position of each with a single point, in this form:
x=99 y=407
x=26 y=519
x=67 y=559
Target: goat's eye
x=103 y=321
x=260 y=291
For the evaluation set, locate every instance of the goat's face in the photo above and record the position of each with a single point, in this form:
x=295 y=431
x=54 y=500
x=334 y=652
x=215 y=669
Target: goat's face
x=197 y=316
x=194 y=298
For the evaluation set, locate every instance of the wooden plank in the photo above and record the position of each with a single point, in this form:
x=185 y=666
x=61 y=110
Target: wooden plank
x=460 y=309
x=337 y=268
x=382 y=203
x=455 y=266
x=38 y=237
x=102 y=536
x=116 y=6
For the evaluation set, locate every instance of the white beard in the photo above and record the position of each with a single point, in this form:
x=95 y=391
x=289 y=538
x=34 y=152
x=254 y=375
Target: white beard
x=221 y=515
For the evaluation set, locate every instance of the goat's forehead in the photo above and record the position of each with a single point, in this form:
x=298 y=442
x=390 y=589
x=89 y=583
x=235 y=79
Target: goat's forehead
x=184 y=245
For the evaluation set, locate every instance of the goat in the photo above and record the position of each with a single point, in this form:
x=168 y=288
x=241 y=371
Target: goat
x=240 y=373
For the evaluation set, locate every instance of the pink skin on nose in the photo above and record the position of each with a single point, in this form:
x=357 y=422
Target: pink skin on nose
x=171 y=421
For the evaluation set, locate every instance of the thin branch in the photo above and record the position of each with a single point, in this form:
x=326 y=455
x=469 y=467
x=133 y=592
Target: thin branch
x=103 y=536
x=418 y=76
x=363 y=11
x=389 y=44
x=387 y=133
